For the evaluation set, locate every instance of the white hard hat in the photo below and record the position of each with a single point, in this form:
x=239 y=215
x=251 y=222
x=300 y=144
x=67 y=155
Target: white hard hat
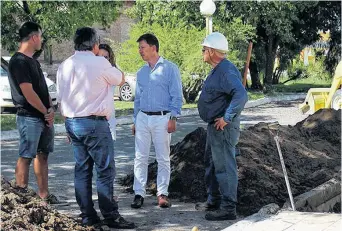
x=216 y=41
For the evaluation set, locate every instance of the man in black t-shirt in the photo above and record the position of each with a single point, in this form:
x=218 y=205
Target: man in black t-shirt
x=35 y=114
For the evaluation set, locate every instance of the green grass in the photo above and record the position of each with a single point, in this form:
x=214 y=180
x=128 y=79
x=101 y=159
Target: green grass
x=315 y=77
x=190 y=105
x=254 y=95
x=8 y=121
x=122 y=105
x=302 y=85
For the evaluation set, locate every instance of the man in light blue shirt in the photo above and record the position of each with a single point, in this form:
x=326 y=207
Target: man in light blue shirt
x=157 y=104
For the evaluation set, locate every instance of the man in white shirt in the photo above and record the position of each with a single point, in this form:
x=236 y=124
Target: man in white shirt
x=84 y=81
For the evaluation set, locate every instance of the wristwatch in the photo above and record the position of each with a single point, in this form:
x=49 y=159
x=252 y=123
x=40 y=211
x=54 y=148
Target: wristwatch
x=173 y=118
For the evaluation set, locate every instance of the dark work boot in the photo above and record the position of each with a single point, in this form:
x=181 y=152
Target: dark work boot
x=96 y=223
x=220 y=215
x=206 y=206
x=137 y=202
x=119 y=223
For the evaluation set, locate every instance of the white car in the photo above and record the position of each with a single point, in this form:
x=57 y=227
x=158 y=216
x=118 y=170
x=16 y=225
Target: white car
x=5 y=89
x=127 y=90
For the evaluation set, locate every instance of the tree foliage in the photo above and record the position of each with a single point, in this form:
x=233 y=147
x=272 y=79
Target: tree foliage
x=285 y=28
x=180 y=29
x=59 y=19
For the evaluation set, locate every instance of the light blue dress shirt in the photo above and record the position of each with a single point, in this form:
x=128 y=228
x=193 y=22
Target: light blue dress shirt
x=158 y=89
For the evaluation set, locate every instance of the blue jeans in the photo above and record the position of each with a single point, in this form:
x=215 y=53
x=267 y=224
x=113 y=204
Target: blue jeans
x=92 y=144
x=35 y=136
x=220 y=165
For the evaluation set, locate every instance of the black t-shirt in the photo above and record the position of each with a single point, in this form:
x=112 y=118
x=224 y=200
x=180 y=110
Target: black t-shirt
x=24 y=69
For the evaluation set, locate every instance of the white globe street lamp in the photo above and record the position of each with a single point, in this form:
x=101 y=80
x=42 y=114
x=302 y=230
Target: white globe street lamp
x=207 y=9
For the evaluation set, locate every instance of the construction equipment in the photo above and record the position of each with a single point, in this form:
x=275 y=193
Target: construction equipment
x=318 y=98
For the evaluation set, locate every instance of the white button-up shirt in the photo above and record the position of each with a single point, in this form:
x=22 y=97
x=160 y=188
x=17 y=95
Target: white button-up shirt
x=84 y=85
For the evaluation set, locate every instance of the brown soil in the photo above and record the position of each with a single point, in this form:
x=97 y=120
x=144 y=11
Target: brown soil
x=23 y=211
x=311 y=151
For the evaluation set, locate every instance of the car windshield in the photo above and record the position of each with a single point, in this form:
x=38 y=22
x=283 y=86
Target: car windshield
x=3 y=72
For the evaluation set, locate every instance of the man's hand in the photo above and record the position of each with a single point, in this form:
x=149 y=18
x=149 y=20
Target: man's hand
x=50 y=117
x=220 y=123
x=171 y=126
x=133 y=130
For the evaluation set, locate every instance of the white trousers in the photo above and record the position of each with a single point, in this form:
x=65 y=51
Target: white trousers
x=147 y=129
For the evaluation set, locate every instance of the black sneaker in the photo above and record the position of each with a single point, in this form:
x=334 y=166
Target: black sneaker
x=137 y=202
x=53 y=200
x=119 y=223
x=206 y=206
x=27 y=191
x=220 y=215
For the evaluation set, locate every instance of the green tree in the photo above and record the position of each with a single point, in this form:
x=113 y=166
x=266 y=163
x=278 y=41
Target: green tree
x=59 y=19
x=289 y=26
x=179 y=44
x=180 y=29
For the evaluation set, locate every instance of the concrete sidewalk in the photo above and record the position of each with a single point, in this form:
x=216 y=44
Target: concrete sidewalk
x=290 y=221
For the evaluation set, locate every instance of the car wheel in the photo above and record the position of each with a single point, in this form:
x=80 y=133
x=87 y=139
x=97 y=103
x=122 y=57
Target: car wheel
x=126 y=93
x=336 y=102
x=2 y=110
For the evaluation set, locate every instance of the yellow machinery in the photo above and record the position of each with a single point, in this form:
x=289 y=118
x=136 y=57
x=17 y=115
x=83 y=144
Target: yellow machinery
x=318 y=98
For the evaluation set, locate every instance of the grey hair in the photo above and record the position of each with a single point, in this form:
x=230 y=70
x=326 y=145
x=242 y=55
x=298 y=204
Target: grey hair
x=85 y=39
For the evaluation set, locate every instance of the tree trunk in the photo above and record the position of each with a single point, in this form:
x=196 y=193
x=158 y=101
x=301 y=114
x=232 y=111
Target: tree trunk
x=48 y=53
x=253 y=68
x=271 y=49
x=276 y=76
x=190 y=92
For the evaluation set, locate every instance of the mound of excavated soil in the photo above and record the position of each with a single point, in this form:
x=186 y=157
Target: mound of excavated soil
x=311 y=151
x=24 y=212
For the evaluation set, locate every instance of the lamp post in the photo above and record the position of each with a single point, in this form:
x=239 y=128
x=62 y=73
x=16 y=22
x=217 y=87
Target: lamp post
x=207 y=9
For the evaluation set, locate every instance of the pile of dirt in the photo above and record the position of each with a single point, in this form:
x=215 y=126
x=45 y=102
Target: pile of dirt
x=23 y=211
x=311 y=150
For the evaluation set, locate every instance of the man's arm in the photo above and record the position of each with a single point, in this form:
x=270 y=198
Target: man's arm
x=123 y=79
x=232 y=85
x=175 y=91
x=111 y=74
x=32 y=97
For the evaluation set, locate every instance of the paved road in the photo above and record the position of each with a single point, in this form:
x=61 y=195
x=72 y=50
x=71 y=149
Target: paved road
x=181 y=216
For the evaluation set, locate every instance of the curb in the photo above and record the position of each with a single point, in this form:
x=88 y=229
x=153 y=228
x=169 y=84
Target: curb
x=319 y=199
x=60 y=129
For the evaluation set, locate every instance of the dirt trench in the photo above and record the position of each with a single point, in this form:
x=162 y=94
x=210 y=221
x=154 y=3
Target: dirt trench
x=311 y=150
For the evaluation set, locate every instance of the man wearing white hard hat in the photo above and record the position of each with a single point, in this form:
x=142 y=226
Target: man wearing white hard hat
x=220 y=104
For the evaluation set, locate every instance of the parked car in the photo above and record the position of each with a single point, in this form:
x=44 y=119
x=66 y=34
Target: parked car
x=126 y=92
x=5 y=89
